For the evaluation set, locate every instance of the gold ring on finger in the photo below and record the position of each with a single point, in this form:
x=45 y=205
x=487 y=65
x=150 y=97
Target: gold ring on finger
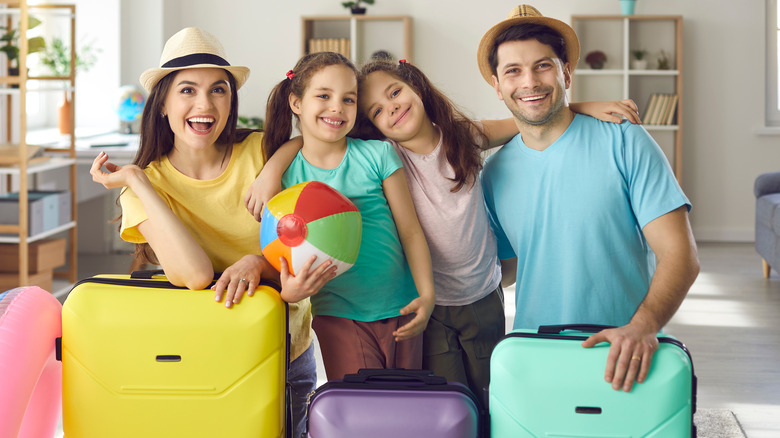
x=635 y=357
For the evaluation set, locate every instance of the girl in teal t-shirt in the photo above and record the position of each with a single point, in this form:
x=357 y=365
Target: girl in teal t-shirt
x=372 y=315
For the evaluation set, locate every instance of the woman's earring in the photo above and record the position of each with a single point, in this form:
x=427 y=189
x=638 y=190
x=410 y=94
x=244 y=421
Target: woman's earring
x=162 y=116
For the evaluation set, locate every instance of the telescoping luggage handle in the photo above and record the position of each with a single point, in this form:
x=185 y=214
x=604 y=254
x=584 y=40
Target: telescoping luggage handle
x=394 y=375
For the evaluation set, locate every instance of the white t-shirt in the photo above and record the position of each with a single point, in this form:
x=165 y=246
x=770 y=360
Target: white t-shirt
x=462 y=245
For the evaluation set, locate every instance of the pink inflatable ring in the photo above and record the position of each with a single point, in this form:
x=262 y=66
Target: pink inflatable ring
x=30 y=375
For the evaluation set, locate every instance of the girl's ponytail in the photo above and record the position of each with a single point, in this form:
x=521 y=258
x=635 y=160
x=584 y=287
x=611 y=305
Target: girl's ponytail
x=278 y=118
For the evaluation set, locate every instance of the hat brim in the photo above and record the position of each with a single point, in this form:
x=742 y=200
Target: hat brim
x=488 y=40
x=150 y=77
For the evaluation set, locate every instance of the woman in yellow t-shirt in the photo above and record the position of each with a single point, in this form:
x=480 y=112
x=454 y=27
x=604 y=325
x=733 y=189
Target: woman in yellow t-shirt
x=183 y=202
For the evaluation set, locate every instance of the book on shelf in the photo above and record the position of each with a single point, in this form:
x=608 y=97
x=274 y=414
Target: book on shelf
x=338 y=45
x=661 y=109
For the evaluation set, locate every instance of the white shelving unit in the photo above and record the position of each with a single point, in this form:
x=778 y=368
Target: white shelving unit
x=617 y=36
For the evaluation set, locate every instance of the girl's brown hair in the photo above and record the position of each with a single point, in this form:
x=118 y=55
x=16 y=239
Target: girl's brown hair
x=278 y=114
x=461 y=136
x=156 y=139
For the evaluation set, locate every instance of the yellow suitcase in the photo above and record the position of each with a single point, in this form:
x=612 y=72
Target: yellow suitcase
x=143 y=358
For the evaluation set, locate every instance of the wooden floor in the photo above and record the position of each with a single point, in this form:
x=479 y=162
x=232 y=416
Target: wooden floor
x=730 y=322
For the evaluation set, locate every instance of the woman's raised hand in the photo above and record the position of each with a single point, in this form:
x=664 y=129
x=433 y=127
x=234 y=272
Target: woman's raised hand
x=117 y=176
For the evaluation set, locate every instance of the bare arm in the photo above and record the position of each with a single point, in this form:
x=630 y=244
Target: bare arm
x=269 y=182
x=498 y=132
x=417 y=254
x=183 y=260
x=606 y=111
x=632 y=346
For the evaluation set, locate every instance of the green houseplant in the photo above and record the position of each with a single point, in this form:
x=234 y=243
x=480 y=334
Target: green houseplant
x=56 y=57
x=356 y=7
x=638 y=61
x=10 y=44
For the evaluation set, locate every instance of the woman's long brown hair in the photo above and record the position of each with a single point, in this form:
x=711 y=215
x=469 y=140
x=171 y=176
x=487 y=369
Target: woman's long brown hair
x=461 y=136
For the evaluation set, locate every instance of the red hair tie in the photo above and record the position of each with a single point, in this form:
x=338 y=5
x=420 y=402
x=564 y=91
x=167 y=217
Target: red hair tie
x=402 y=61
x=290 y=75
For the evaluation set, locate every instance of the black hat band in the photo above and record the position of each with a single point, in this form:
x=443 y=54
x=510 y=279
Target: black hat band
x=195 y=59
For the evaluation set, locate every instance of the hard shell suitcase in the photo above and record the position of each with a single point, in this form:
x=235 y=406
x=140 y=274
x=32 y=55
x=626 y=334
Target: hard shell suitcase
x=544 y=383
x=393 y=403
x=144 y=358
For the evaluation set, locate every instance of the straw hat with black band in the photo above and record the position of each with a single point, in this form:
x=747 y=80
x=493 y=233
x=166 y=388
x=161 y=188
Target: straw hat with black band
x=525 y=14
x=192 y=48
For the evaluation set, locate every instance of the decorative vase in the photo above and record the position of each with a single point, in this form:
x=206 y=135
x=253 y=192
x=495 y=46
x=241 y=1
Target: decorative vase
x=627 y=6
x=358 y=11
x=639 y=64
x=63 y=120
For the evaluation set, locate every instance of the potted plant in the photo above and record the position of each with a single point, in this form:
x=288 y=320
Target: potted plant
x=638 y=61
x=596 y=59
x=663 y=61
x=56 y=57
x=355 y=7
x=10 y=41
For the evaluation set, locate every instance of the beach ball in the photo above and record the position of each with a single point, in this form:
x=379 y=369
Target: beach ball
x=310 y=218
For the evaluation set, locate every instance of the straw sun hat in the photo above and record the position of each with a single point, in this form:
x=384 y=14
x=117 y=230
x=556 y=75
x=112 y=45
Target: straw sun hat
x=525 y=14
x=192 y=48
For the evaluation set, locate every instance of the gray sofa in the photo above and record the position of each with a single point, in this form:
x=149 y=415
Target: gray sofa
x=767 y=191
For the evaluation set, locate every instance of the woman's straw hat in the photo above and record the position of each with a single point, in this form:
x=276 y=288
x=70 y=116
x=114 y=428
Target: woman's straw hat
x=192 y=48
x=525 y=14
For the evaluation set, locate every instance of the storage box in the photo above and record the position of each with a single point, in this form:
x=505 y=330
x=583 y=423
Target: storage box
x=43 y=255
x=41 y=279
x=47 y=210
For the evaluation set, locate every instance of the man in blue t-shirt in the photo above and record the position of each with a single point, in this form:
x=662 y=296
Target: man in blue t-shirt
x=591 y=223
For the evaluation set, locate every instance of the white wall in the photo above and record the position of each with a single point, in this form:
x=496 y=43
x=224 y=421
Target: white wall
x=724 y=95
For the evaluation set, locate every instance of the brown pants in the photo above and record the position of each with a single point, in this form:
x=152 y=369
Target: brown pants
x=348 y=345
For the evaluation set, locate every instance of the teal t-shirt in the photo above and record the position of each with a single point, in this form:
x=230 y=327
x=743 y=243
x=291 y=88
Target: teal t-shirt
x=573 y=215
x=380 y=283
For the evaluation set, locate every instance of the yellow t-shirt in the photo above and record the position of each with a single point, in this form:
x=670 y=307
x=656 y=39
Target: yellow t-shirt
x=213 y=212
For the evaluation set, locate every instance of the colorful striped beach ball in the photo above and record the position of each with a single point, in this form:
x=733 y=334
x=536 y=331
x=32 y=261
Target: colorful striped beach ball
x=310 y=218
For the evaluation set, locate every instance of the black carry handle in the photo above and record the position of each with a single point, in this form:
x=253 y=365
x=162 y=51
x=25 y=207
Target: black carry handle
x=394 y=375
x=557 y=329
x=148 y=274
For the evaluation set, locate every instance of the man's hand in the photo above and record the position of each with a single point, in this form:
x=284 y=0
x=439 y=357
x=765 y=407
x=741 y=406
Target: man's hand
x=630 y=354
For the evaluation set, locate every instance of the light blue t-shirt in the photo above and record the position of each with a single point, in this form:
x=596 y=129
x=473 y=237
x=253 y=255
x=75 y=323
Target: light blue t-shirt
x=573 y=215
x=380 y=283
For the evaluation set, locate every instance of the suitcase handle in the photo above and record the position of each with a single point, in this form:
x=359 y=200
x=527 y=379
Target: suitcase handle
x=557 y=329
x=148 y=274
x=394 y=375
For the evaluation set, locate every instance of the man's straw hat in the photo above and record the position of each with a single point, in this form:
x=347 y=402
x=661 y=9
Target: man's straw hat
x=525 y=14
x=192 y=48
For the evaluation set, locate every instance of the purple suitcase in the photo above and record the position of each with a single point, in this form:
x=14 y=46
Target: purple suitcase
x=393 y=403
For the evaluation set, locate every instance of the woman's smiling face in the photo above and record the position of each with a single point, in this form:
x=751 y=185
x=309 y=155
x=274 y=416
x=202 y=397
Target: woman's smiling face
x=198 y=106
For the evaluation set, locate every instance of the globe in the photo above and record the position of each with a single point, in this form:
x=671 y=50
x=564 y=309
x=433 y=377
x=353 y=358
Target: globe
x=130 y=103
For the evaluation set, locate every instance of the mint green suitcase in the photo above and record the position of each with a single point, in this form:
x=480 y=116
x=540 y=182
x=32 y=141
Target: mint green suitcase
x=544 y=383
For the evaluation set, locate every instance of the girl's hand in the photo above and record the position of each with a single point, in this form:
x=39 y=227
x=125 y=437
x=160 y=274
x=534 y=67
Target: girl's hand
x=242 y=276
x=422 y=307
x=307 y=282
x=259 y=193
x=117 y=176
x=606 y=111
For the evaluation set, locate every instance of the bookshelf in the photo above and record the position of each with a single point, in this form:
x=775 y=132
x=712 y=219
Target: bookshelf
x=358 y=36
x=654 y=90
